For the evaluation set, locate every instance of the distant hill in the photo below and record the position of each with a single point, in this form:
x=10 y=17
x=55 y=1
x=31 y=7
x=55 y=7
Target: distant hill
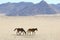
x=56 y=7
x=40 y=8
x=28 y=8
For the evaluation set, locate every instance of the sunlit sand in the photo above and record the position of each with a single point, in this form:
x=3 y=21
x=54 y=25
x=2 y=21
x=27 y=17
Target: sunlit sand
x=48 y=27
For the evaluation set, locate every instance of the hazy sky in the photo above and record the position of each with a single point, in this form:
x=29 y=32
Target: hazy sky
x=34 y=1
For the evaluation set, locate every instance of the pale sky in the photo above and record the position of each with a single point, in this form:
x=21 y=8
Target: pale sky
x=34 y=1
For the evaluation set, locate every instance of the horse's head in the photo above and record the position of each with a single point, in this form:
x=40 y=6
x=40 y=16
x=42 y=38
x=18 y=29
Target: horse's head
x=15 y=29
x=36 y=29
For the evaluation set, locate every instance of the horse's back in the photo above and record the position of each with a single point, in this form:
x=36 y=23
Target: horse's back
x=32 y=29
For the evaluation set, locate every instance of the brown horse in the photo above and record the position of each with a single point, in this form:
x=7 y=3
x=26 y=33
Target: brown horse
x=20 y=30
x=32 y=30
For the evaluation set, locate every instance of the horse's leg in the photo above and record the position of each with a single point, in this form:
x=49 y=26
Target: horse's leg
x=29 y=32
x=33 y=33
x=22 y=32
x=17 y=33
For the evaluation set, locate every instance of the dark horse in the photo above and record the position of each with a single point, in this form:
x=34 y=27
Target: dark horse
x=20 y=30
x=32 y=30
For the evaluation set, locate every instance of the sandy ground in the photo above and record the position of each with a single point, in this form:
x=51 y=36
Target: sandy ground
x=48 y=27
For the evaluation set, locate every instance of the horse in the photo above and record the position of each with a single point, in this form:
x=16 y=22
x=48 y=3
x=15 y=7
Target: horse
x=32 y=30
x=20 y=30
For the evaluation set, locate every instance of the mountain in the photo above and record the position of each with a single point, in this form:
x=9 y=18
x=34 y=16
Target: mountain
x=56 y=7
x=28 y=8
x=40 y=8
x=14 y=8
x=18 y=8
